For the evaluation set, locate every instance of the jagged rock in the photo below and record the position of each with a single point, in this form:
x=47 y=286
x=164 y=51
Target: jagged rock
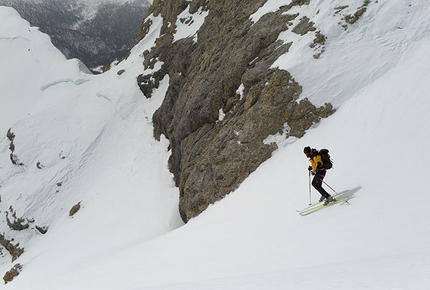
x=147 y=83
x=10 y=135
x=75 y=209
x=14 y=250
x=212 y=156
x=42 y=230
x=39 y=165
x=13 y=157
x=18 y=224
x=351 y=19
x=12 y=273
x=304 y=26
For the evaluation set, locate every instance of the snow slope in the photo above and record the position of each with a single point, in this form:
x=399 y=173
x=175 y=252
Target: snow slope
x=73 y=125
x=93 y=134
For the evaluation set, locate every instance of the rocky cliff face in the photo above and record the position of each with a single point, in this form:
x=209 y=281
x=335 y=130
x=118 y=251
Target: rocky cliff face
x=224 y=98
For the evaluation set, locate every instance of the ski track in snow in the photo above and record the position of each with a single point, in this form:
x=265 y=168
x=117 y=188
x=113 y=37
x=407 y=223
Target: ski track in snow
x=75 y=82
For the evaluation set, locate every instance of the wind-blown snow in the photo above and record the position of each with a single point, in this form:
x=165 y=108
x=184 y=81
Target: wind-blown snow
x=94 y=135
x=355 y=57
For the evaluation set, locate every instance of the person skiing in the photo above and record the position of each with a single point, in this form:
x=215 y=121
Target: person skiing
x=319 y=172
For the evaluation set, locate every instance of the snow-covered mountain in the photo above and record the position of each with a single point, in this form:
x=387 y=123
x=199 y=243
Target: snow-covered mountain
x=72 y=138
x=97 y=32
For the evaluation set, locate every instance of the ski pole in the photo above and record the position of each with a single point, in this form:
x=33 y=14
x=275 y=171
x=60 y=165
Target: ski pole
x=346 y=201
x=310 y=198
x=329 y=186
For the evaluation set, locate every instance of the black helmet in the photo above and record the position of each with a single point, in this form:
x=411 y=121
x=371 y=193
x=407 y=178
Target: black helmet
x=307 y=149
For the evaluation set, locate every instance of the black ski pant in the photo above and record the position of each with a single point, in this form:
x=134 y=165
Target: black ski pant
x=317 y=183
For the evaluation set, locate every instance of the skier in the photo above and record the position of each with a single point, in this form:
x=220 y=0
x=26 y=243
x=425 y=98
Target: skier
x=319 y=173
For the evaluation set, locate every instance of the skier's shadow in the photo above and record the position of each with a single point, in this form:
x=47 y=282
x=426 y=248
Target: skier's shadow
x=349 y=193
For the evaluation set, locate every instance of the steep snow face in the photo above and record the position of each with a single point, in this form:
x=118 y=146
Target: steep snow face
x=353 y=55
x=64 y=120
x=93 y=134
x=29 y=61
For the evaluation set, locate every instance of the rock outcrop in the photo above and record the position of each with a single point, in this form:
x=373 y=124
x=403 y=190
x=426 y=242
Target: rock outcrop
x=224 y=98
x=12 y=273
x=14 y=250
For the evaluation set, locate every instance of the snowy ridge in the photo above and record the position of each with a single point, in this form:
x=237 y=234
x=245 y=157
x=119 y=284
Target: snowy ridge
x=95 y=138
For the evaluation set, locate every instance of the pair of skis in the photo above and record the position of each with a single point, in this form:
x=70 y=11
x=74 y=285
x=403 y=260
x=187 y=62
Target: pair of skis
x=340 y=199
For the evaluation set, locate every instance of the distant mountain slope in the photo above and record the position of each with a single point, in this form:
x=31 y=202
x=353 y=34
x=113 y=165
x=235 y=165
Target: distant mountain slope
x=96 y=32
